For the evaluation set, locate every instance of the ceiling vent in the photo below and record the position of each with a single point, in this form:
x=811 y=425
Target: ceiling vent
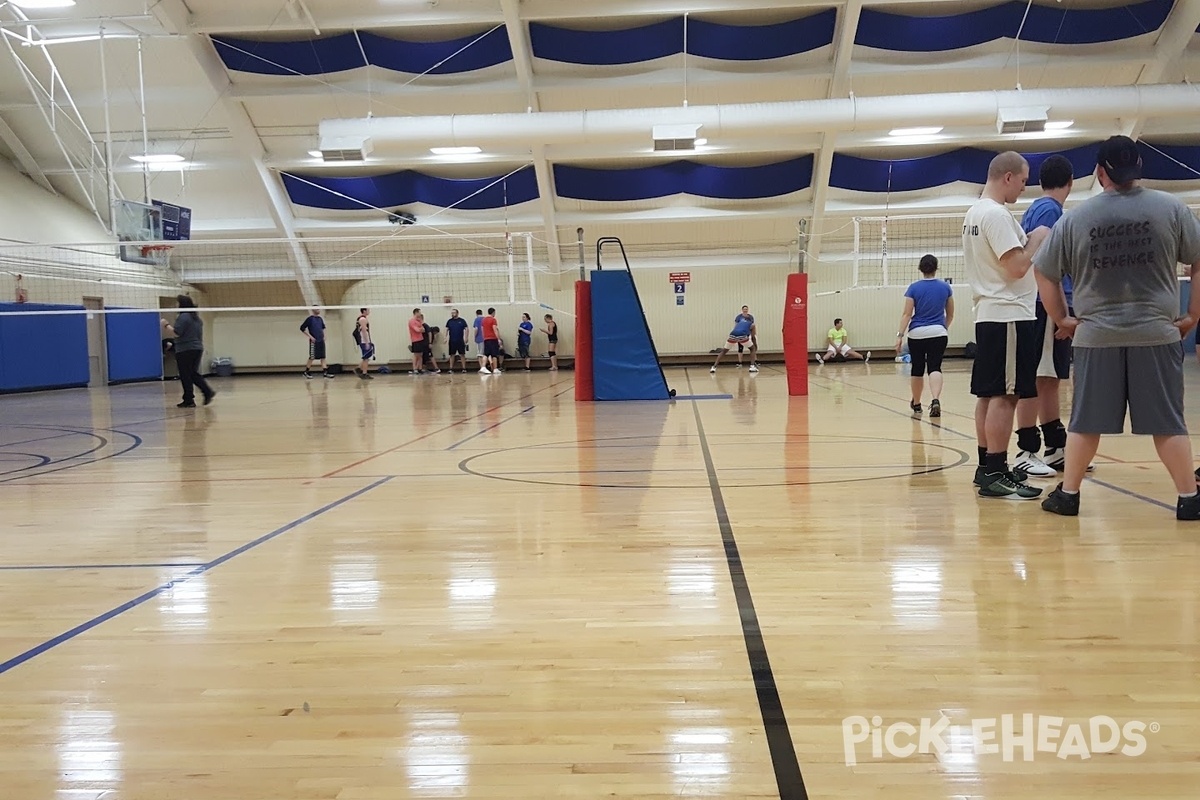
x=1022 y=120
x=675 y=137
x=347 y=149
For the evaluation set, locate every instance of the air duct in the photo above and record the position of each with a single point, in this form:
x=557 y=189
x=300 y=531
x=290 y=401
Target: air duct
x=627 y=128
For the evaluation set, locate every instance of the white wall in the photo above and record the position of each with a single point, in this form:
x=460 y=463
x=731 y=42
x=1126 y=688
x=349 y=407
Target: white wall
x=30 y=214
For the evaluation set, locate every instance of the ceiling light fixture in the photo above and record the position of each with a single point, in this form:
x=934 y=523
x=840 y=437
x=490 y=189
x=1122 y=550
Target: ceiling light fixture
x=456 y=151
x=701 y=142
x=1059 y=125
x=316 y=154
x=159 y=158
x=927 y=131
x=43 y=3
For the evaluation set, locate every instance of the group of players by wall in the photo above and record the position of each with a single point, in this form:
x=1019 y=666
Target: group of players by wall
x=489 y=344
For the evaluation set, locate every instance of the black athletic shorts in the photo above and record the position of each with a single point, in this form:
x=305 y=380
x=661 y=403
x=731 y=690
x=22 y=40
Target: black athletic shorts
x=1006 y=359
x=316 y=350
x=421 y=346
x=1055 y=358
x=491 y=348
x=927 y=354
x=458 y=348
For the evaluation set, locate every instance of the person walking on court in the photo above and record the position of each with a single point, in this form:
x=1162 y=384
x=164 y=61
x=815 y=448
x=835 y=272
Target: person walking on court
x=1056 y=176
x=456 y=337
x=362 y=336
x=1121 y=250
x=928 y=314
x=491 y=342
x=188 y=332
x=478 y=325
x=998 y=257
x=524 y=338
x=314 y=329
x=838 y=343
x=744 y=332
x=551 y=331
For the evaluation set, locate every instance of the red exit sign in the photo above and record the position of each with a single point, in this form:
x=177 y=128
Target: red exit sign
x=680 y=277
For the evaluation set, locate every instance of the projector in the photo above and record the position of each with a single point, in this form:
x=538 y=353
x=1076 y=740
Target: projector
x=402 y=218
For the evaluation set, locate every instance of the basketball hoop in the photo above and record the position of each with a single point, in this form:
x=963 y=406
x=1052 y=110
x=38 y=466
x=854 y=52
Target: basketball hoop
x=158 y=253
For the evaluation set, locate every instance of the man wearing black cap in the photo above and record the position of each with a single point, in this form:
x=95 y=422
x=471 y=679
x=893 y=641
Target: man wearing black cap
x=1120 y=249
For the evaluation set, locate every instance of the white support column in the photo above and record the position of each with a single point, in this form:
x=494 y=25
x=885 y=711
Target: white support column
x=847 y=27
x=175 y=17
x=1173 y=39
x=518 y=42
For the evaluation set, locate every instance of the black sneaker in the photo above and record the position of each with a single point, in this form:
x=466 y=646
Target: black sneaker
x=185 y=404
x=307 y=375
x=208 y=398
x=1188 y=508
x=935 y=408
x=1018 y=475
x=1002 y=486
x=1061 y=503
x=1198 y=476
x=328 y=375
x=916 y=407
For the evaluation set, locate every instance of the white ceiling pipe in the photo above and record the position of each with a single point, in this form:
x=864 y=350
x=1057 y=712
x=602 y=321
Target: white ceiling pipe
x=757 y=120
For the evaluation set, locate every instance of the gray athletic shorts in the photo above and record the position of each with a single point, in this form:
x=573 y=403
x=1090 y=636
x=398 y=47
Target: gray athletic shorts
x=1146 y=380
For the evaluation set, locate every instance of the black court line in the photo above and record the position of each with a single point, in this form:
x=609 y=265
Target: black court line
x=779 y=738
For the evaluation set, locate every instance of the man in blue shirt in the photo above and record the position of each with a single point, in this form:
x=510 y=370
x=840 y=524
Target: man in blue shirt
x=1056 y=177
x=456 y=338
x=478 y=325
x=524 y=338
x=314 y=329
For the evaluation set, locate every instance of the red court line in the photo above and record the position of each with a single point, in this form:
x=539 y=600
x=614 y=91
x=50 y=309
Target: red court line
x=436 y=432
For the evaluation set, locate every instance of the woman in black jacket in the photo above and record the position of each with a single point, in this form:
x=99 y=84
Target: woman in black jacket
x=188 y=332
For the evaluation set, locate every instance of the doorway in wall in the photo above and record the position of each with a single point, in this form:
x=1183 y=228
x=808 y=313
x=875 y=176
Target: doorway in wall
x=97 y=346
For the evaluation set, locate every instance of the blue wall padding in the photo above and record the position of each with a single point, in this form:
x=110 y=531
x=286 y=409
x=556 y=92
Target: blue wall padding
x=134 y=343
x=624 y=361
x=42 y=351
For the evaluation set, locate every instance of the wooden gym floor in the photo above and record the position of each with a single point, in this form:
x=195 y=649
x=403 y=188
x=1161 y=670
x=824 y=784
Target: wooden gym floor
x=474 y=587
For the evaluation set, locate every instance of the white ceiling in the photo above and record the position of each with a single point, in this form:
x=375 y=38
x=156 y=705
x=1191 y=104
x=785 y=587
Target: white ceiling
x=222 y=121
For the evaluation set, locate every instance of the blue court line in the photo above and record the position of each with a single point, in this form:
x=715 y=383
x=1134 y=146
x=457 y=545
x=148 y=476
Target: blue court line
x=20 y=567
x=703 y=397
x=67 y=636
x=490 y=427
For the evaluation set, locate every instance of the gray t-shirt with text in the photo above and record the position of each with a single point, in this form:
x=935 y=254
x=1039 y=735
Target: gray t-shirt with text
x=1122 y=249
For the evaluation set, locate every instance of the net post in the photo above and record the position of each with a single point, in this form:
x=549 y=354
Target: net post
x=529 y=266
x=857 y=252
x=512 y=275
x=883 y=240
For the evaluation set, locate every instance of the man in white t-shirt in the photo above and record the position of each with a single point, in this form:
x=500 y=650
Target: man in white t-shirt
x=999 y=260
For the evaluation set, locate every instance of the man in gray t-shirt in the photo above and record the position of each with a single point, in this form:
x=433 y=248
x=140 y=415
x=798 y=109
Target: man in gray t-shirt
x=1121 y=249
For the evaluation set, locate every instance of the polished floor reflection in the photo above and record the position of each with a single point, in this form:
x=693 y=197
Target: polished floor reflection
x=466 y=586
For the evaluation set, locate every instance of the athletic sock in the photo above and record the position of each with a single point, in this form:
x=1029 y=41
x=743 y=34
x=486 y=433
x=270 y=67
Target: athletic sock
x=1072 y=494
x=1029 y=440
x=983 y=456
x=1188 y=496
x=996 y=462
x=1055 y=434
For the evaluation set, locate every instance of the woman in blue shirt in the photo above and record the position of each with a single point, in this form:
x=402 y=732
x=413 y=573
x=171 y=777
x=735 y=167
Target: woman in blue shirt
x=928 y=313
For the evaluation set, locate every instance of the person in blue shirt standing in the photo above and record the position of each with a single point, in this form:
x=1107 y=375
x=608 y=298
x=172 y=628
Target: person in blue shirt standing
x=744 y=331
x=1056 y=177
x=928 y=314
x=314 y=329
x=524 y=338
x=456 y=337
x=478 y=325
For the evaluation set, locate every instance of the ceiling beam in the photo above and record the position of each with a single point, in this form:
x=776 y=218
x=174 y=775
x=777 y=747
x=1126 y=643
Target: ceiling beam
x=518 y=40
x=1176 y=34
x=28 y=163
x=174 y=16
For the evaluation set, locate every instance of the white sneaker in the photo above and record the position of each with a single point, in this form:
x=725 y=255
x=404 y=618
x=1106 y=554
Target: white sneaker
x=819 y=359
x=713 y=370
x=1056 y=457
x=485 y=371
x=754 y=367
x=867 y=360
x=1033 y=466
